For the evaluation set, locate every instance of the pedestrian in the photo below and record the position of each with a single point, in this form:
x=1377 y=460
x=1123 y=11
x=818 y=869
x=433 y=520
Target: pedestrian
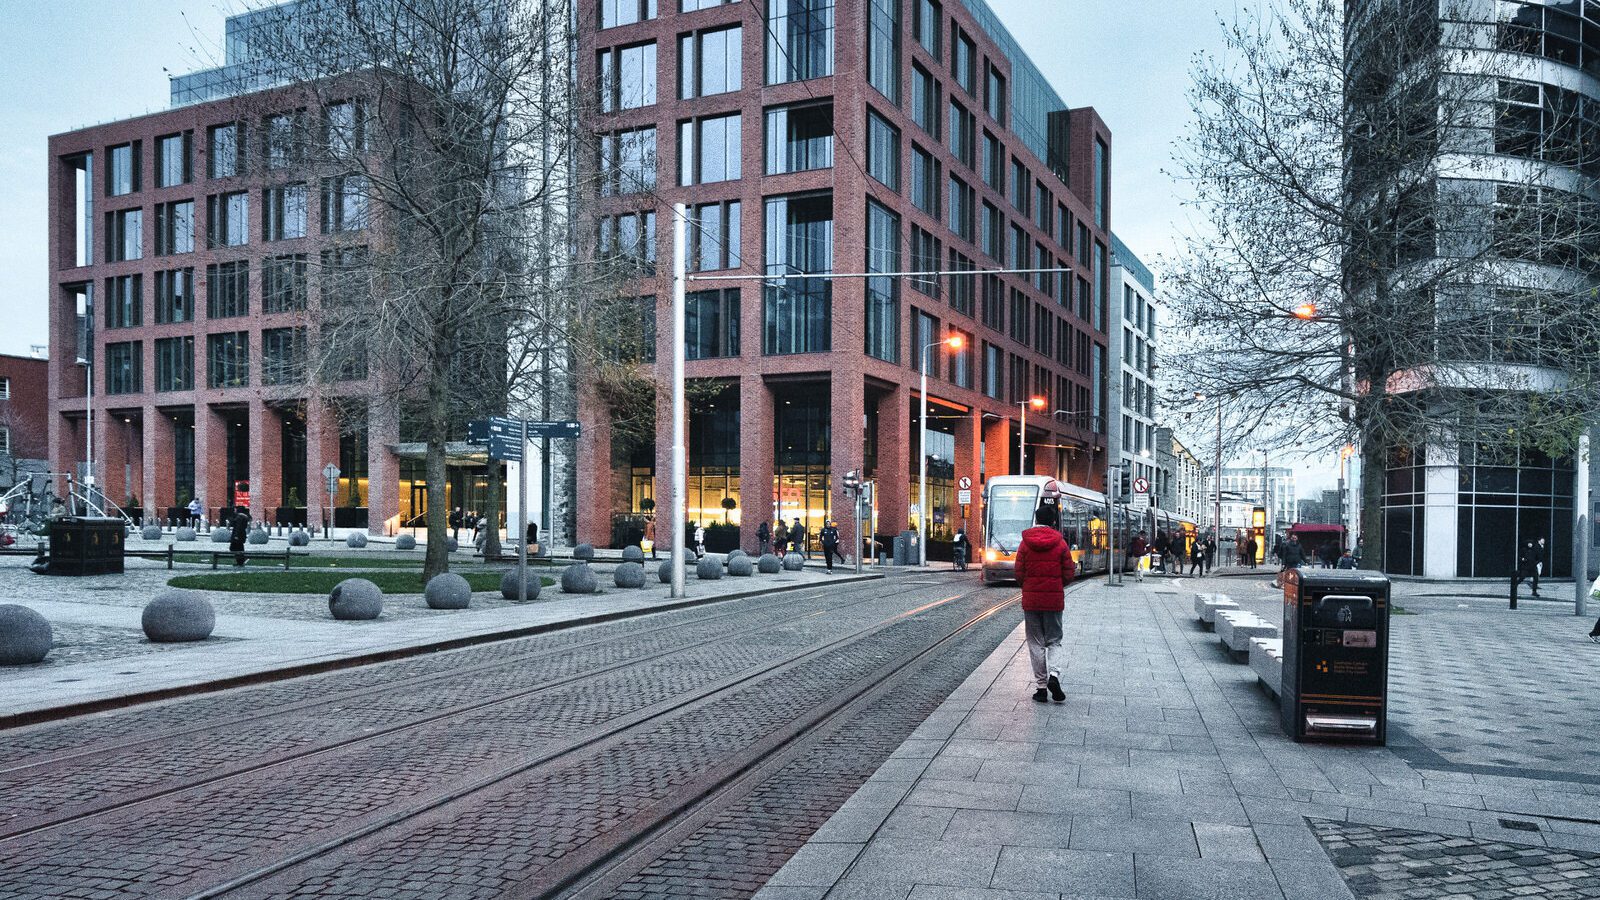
x=1360 y=544
x=780 y=538
x=763 y=539
x=1290 y=556
x=1247 y=552
x=1044 y=568
x=1346 y=561
x=1160 y=546
x=797 y=537
x=241 y=530
x=455 y=523
x=532 y=537
x=961 y=549
x=1211 y=555
x=1523 y=571
x=194 y=512
x=699 y=542
x=829 y=535
x=1137 y=548
x=650 y=536
x=1594 y=594
x=1540 y=554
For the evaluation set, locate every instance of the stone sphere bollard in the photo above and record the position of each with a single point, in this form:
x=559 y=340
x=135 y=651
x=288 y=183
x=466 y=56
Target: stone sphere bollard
x=735 y=554
x=355 y=598
x=150 y=532
x=25 y=635
x=299 y=539
x=708 y=569
x=508 y=585
x=583 y=552
x=451 y=545
x=769 y=564
x=221 y=535
x=405 y=542
x=186 y=534
x=355 y=539
x=258 y=536
x=632 y=553
x=447 y=590
x=664 y=571
x=741 y=566
x=578 y=579
x=794 y=562
x=177 y=616
x=629 y=575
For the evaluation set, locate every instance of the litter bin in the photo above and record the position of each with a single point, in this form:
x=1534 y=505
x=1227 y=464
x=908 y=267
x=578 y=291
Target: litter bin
x=81 y=545
x=1335 y=656
x=905 y=548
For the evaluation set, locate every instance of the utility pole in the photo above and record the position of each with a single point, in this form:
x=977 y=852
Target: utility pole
x=680 y=464
x=1580 y=554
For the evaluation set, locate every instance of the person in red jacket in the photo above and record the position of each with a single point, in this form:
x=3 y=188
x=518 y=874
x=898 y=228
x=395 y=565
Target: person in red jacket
x=1136 y=552
x=1044 y=567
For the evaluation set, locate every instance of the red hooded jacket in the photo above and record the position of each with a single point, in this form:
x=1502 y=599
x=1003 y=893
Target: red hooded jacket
x=1044 y=567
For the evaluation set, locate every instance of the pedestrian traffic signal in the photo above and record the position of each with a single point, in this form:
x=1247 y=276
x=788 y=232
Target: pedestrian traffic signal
x=852 y=481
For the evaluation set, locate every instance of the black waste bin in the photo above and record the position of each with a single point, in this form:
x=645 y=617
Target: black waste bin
x=905 y=549
x=81 y=545
x=1335 y=656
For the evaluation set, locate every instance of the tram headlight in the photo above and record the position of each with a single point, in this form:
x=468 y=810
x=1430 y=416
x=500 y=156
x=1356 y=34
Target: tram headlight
x=990 y=556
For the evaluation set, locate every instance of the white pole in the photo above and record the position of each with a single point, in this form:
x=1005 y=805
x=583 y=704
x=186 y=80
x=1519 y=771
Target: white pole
x=680 y=464
x=89 y=480
x=1022 y=442
x=522 y=513
x=1581 y=506
x=922 y=468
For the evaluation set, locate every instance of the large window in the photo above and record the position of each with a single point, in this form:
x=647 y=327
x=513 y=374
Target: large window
x=175 y=364
x=228 y=219
x=228 y=289
x=925 y=331
x=693 y=5
x=125 y=301
x=961 y=360
x=174 y=296
x=992 y=231
x=925 y=181
x=228 y=359
x=344 y=203
x=799 y=40
x=172 y=160
x=883 y=47
x=124 y=235
x=994 y=302
x=962 y=199
x=284 y=283
x=628 y=161
x=994 y=94
x=1102 y=183
x=711 y=323
x=627 y=77
x=799 y=137
x=925 y=100
x=225 y=156
x=283 y=355
x=1545 y=122
x=994 y=367
x=883 y=294
x=714 y=236
x=961 y=286
x=963 y=59
x=883 y=151
x=925 y=24
x=1021 y=184
x=1019 y=247
x=709 y=149
x=797 y=311
x=175 y=228
x=625 y=12
x=344 y=128
x=125 y=367
x=280 y=140
x=709 y=62
x=926 y=254
x=283 y=212
x=962 y=124
x=630 y=239
x=994 y=162
x=122 y=169
x=1554 y=31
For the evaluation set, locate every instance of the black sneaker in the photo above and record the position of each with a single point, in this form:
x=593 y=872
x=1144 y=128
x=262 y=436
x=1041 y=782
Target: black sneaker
x=1041 y=696
x=1056 y=693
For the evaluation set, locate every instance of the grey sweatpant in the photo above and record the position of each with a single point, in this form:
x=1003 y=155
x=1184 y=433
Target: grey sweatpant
x=1043 y=634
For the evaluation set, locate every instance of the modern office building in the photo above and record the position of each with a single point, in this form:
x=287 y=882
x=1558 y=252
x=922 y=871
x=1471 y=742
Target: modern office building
x=1519 y=176
x=24 y=419
x=1278 y=495
x=877 y=138
x=1133 y=364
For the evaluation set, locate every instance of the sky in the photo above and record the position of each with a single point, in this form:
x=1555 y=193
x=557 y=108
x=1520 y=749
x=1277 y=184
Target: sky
x=71 y=63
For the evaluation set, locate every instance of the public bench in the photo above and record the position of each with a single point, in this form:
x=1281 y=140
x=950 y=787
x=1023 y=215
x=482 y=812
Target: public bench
x=1235 y=628
x=1206 y=607
x=275 y=556
x=1266 y=660
x=152 y=554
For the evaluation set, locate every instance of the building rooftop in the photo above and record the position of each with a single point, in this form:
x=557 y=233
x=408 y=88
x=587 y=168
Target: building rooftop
x=1122 y=256
x=1032 y=97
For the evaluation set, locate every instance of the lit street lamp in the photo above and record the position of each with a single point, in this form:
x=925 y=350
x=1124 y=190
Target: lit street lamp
x=954 y=343
x=1022 y=433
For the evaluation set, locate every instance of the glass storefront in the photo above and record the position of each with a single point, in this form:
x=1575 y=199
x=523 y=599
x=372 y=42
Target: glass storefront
x=1404 y=494
x=1504 y=503
x=941 y=454
x=803 y=485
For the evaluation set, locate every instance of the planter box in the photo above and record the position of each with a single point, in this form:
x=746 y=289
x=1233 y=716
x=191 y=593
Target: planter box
x=290 y=515
x=349 y=517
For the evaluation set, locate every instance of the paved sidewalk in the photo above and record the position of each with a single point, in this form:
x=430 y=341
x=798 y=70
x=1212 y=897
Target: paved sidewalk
x=1165 y=774
x=101 y=654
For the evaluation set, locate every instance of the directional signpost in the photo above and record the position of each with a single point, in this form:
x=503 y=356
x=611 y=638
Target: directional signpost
x=507 y=440
x=330 y=474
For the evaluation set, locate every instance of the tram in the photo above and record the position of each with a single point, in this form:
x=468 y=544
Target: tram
x=1011 y=501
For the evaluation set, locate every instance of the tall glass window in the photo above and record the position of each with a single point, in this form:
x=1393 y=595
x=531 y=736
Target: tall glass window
x=172 y=160
x=284 y=212
x=223 y=160
x=1102 y=183
x=628 y=162
x=963 y=56
x=630 y=239
x=625 y=12
x=709 y=149
x=925 y=331
x=175 y=228
x=284 y=283
x=994 y=95
x=799 y=137
x=125 y=367
x=799 y=40
x=627 y=77
x=714 y=236
x=711 y=323
x=925 y=181
x=283 y=355
x=883 y=151
x=924 y=100
x=709 y=62
x=883 y=48
x=228 y=289
x=797 y=311
x=994 y=363
x=344 y=203
x=174 y=296
x=280 y=140
x=344 y=128
x=125 y=235
x=122 y=171
x=961 y=133
x=175 y=363
x=883 y=294
x=125 y=301
x=961 y=286
x=228 y=219
x=925 y=24
x=228 y=359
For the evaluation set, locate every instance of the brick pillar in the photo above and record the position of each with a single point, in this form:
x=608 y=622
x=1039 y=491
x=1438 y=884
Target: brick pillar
x=595 y=490
x=322 y=447
x=111 y=449
x=157 y=473
x=894 y=460
x=383 y=468
x=847 y=452
x=757 y=462
x=210 y=460
x=266 y=461
x=998 y=437
x=969 y=432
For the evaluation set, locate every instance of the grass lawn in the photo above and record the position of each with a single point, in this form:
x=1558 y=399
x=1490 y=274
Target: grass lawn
x=311 y=581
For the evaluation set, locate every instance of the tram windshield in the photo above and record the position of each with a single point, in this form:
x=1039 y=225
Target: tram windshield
x=1010 y=509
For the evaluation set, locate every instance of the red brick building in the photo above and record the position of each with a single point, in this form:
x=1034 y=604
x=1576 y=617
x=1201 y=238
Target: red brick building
x=865 y=136
x=24 y=418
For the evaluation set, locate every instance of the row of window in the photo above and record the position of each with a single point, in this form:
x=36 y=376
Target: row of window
x=227 y=361
x=284 y=288
x=283 y=217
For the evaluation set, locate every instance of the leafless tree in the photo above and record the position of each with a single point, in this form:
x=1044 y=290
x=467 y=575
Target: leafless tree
x=1367 y=266
x=26 y=440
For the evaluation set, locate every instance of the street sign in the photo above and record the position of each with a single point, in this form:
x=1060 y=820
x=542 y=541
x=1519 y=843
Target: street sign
x=1139 y=501
x=330 y=474
x=964 y=497
x=481 y=431
x=964 y=483
x=1141 y=485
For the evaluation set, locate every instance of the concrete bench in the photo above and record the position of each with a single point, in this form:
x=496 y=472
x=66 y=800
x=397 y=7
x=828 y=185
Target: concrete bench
x=1266 y=660
x=1235 y=628
x=1207 y=605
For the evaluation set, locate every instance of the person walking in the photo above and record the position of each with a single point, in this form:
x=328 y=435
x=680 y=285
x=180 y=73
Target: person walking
x=1540 y=554
x=1594 y=594
x=1044 y=568
x=650 y=535
x=194 y=512
x=1137 y=548
x=1290 y=556
x=699 y=542
x=1346 y=561
x=1197 y=558
x=780 y=538
x=1160 y=547
x=797 y=537
x=455 y=523
x=1523 y=571
x=1211 y=556
x=763 y=539
x=241 y=531
x=829 y=535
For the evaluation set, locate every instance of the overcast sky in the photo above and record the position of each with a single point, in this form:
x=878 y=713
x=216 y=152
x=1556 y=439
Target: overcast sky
x=70 y=63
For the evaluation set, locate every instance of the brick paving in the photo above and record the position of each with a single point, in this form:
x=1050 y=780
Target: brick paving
x=1395 y=864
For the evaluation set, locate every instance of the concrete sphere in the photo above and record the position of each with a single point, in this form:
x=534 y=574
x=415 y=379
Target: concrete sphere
x=447 y=590
x=578 y=579
x=405 y=542
x=220 y=535
x=768 y=564
x=708 y=569
x=632 y=553
x=355 y=539
x=735 y=554
x=664 y=571
x=741 y=566
x=186 y=534
x=150 y=532
x=258 y=536
x=177 y=616
x=451 y=545
x=630 y=575
x=508 y=585
x=25 y=635
x=355 y=598
x=299 y=539
x=794 y=562
x=583 y=551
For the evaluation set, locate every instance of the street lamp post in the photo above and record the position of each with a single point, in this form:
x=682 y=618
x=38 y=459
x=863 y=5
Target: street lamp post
x=680 y=468
x=1022 y=432
x=1216 y=514
x=954 y=343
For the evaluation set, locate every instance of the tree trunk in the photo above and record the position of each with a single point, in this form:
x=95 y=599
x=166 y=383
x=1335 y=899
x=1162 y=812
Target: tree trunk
x=1374 y=459
x=437 y=559
x=491 y=535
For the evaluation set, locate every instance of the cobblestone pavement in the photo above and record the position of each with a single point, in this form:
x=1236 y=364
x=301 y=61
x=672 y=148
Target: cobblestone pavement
x=1395 y=864
x=76 y=643
x=205 y=798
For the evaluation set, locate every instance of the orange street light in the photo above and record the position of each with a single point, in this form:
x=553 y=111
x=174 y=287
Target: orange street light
x=1036 y=402
x=1306 y=310
x=954 y=342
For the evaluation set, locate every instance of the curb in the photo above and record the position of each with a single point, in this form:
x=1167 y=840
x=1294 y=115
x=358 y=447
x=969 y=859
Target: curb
x=298 y=670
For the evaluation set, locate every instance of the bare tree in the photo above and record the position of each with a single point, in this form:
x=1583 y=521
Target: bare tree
x=1367 y=268
x=26 y=441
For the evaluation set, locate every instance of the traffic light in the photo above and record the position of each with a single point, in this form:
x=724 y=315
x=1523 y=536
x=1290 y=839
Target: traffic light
x=852 y=482
x=1124 y=486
